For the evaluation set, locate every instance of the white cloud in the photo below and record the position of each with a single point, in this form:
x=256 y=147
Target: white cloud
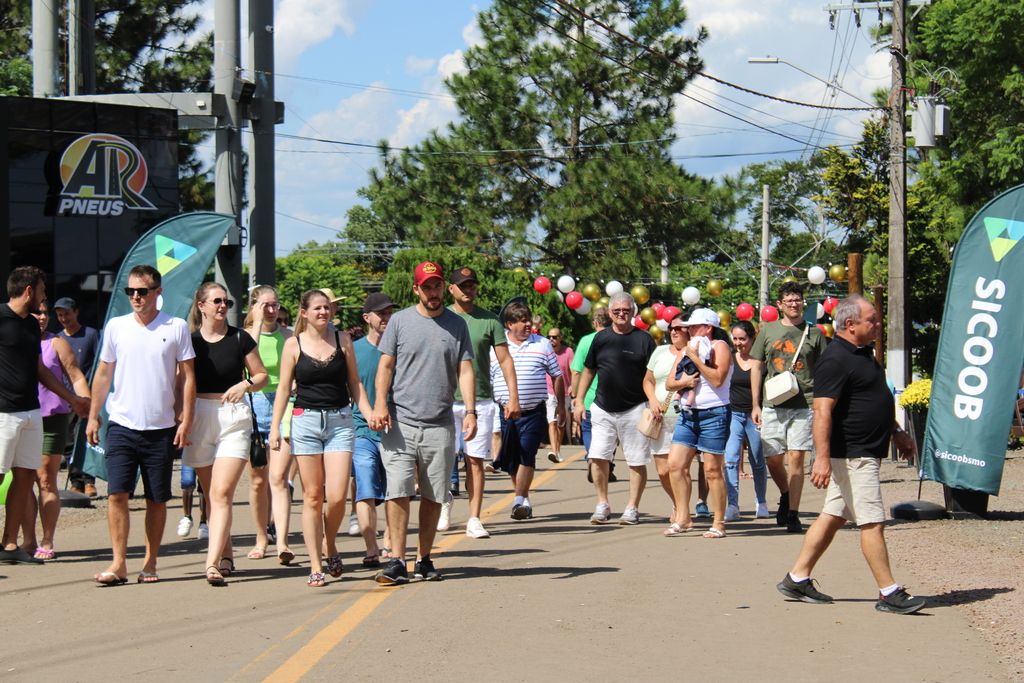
x=471 y=31
x=417 y=66
x=304 y=24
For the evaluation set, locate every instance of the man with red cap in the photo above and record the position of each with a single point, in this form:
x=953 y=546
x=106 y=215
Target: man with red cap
x=425 y=351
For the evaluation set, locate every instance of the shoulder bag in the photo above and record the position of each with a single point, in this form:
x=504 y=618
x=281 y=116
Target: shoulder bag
x=257 y=444
x=784 y=385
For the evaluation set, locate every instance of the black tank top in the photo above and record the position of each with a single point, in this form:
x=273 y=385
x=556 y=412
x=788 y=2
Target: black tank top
x=322 y=384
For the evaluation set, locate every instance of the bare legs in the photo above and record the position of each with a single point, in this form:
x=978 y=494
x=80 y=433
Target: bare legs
x=259 y=501
x=221 y=480
x=337 y=470
x=312 y=472
x=48 y=507
x=280 y=464
x=714 y=469
x=118 y=521
x=679 y=460
x=475 y=476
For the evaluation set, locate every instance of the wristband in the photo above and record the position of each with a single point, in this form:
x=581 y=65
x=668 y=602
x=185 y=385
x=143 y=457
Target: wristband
x=471 y=412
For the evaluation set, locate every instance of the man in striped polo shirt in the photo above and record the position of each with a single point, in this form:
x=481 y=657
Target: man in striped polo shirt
x=534 y=359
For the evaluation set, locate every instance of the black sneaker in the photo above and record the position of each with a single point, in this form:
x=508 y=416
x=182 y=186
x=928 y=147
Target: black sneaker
x=793 y=525
x=425 y=571
x=454 y=488
x=782 y=515
x=521 y=512
x=803 y=591
x=900 y=602
x=394 y=573
x=272 y=532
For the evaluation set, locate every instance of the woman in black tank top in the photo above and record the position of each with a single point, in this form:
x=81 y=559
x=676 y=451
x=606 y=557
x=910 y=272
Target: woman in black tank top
x=322 y=364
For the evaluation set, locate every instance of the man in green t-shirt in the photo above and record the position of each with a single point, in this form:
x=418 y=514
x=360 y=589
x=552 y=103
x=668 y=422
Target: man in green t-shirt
x=485 y=332
x=600 y=320
x=786 y=427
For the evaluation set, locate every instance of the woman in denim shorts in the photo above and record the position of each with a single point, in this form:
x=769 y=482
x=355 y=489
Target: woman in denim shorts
x=268 y=488
x=323 y=366
x=704 y=426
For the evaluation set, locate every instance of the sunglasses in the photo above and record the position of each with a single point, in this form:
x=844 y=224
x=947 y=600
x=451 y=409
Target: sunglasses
x=218 y=301
x=554 y=336
x=676 y=328
x=622 y=311
x=139 y=291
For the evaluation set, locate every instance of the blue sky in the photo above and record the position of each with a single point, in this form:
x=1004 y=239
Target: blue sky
x=386 y=45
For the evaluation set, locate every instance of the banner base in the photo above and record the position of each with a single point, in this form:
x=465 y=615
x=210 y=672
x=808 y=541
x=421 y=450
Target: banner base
x=965 y=504
x=918 y=510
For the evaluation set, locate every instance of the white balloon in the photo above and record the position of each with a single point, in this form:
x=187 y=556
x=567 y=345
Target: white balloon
x=816 y=275
x=566 y=284
x=662 y=325
x=819 y=312
x=613 y=288
x=560 y=296
x=691 y=295
x=584 y=307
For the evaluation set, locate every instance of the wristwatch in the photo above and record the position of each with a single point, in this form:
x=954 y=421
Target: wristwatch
x=471 y=412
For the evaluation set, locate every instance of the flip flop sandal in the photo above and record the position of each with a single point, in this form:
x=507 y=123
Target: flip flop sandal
x=676 y=530
x=116 y=581
x=316 y=579
x=286 y=557
x=214 y=577
x=371 y=561
x=44 y=553
x=257 y=553
x=714 y=532
x=385 y=553
x=335 y=566
x=227 y=571
x=146 y=577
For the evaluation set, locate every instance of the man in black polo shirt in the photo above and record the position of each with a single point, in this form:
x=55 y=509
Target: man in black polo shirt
x=854 y=420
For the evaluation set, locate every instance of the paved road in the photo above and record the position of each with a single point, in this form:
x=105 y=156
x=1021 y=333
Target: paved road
x=550 y=598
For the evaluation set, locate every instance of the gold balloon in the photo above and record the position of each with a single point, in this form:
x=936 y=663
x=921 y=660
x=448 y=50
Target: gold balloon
x=649 y=316
x=715 y=287
x=829 y=330
x=789 y=278
x=640 y=295
x=724 y=318
x=603 y=302
x=521 y=270
x=592 y=292
x=837 y=273
x=656 y=332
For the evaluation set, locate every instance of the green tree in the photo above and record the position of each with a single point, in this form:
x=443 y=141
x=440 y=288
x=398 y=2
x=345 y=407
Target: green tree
x=561 y=155
x=312 y=266
x=15 y=78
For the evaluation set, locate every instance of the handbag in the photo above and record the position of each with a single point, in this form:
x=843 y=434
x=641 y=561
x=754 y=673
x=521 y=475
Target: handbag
x=784 y=385
x=650 y=427
x=257 y=444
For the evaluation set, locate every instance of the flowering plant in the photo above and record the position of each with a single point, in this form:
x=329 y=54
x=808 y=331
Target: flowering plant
x=916 y=395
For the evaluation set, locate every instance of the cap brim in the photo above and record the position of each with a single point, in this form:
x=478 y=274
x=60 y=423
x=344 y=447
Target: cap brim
x=513 y=300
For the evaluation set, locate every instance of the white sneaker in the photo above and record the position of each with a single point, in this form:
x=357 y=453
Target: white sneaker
x=489 y=468
x=762 y=511
x=184 y=526
x=630 y=516
x=445 y=520
x=353 y=526
x=204 y=531
x=554 y=457
x=732 y=513
x=475 y=529
x=602 y=514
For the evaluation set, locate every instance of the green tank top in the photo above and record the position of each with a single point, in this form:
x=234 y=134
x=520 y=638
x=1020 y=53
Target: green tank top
x=271 y=346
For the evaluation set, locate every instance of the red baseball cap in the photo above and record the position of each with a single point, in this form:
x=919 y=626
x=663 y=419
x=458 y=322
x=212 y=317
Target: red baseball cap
x=425 y=271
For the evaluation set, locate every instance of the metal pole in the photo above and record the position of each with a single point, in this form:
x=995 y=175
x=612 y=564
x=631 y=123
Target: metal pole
x=261 y=157
x=82 y=47
x=228 y=168
x=664 y=264
x=45 y=48
x=765 y=223
x=897 y=356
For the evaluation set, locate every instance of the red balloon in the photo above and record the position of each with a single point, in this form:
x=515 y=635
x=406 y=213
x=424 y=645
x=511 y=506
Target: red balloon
x=668 y=313
x=542 y=285
x=830 y=304
x=744 y=311
x=574 y=300
x=822 y=328
x=638 y=322
x=769 y=314
x=658 y=308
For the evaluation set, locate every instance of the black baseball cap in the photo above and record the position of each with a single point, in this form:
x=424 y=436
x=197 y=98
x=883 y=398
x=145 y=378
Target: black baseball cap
x=377 y=301
x=463 y=275
x=67 y=303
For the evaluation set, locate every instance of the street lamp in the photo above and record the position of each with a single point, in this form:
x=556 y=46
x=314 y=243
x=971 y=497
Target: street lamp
x=776 y=60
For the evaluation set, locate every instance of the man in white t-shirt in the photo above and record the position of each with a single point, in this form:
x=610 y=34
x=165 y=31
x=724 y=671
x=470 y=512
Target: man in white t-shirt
x=144 y=353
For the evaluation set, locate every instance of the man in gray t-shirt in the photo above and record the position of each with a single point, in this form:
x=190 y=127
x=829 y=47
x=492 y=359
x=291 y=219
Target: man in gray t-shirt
x=423 y=350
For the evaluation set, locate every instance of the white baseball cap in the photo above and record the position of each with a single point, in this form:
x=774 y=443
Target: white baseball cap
x=703 y=316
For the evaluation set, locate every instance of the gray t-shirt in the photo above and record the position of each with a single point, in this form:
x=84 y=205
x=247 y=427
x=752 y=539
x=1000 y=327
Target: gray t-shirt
x=427 y=354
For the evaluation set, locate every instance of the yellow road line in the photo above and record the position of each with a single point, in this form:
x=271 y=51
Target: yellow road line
x=328 y=638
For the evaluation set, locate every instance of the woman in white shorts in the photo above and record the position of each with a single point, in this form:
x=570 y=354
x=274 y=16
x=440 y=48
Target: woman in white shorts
x=223 y=420
x=662 y=364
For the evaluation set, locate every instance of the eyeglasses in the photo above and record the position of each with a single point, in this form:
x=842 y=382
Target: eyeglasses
x=137 y=291
x=791 y=302
x=622 y=311
x=218 y=301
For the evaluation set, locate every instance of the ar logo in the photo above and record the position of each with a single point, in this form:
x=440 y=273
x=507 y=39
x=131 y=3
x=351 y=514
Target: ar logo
x=102 y=175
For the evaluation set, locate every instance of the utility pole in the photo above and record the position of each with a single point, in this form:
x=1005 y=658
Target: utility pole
x=897 y=353
x=45 y=48
x=765 y=224
x=82 y=47
x=262 y=117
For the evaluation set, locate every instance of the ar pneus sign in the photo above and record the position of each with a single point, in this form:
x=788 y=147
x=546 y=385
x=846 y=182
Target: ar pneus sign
x=981 y=351
x=102 y=175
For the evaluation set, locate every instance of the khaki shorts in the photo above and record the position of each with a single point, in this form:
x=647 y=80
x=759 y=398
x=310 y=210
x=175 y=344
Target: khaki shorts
x=405 y=447
x=855 y=492
x=786 y=429
x=21 y=440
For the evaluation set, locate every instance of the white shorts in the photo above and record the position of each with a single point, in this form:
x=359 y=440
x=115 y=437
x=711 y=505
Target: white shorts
x=553 y=405
x=786 y=429
x=498 y=412
x=608 y=429
x=480 y=445
x=219 y=430
x=21 y=440
x=854 y=491
x=663 y=443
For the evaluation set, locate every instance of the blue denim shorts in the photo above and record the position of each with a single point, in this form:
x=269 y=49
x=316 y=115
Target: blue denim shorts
x=263 y=409
x=704 y=429
x=368 y=469
x=322 y=431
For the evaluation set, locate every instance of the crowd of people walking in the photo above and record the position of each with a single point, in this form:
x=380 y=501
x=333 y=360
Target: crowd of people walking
x=393 y=411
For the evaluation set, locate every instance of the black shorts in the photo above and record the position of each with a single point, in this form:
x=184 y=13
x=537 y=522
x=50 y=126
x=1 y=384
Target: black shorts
x=127 y=450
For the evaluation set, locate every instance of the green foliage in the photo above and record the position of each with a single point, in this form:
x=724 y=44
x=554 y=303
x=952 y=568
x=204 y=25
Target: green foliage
x=16 y=78
x=561 y=155
x=304 y=270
